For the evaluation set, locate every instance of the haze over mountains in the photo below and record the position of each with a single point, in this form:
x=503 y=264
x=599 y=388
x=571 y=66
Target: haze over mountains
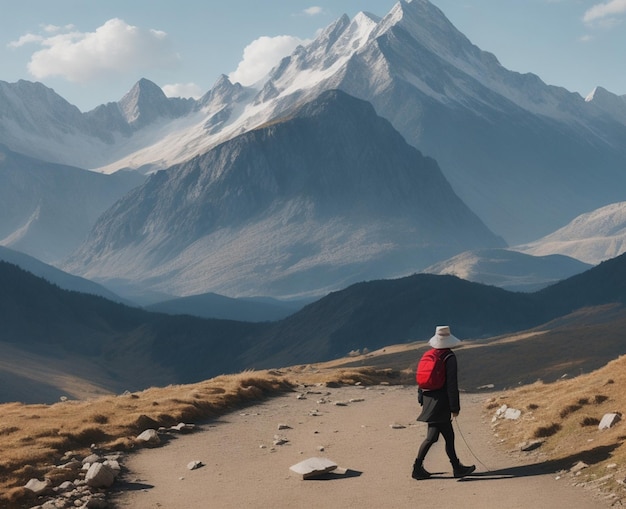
x=233 y=212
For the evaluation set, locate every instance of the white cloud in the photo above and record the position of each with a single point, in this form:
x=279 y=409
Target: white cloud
x=113 y=48
x=313 y=11
x=53 y=29
x=261 y=55
x=605 y=10
x=25 y=39
x=182 y=90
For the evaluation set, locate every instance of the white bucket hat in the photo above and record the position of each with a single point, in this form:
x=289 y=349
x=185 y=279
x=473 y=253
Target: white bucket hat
x=443 y=338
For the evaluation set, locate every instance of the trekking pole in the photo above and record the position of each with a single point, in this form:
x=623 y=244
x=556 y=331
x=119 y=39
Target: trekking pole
x=458 y=427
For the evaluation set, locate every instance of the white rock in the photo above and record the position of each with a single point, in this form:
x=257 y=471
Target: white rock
x=278 y=440
x=581 y=465
x=501 y=410
x=182 y=427
x=313 y=467
x=609 y=420
x=114 y=465
x=512 y=414
x=397 y=426
x=193 y=465
x=92 y=458
x=37 y=487
x=149 y=436
x=66 y=486
x=99 y=476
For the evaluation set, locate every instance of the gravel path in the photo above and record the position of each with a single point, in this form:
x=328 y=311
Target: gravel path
x=375 y=438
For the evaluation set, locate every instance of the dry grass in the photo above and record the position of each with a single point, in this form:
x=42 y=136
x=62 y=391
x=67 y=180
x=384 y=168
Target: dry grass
x=566 y=415
x=33 y=438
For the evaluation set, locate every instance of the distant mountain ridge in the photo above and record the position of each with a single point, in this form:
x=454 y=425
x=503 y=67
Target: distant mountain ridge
x=129 y=348
x=57 y=277
x=509 y=269
x=328 y=196
x=592 y=237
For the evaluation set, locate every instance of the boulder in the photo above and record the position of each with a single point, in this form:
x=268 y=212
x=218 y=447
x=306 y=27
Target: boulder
x=150 y=437
x=99 y=476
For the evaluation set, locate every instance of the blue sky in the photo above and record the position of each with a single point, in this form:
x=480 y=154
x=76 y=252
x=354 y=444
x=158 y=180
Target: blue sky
x=93 y=51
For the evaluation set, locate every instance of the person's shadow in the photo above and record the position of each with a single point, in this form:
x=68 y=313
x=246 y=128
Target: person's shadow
x=589 y=457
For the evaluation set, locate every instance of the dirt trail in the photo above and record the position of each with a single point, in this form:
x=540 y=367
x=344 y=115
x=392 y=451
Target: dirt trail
x=243 y=469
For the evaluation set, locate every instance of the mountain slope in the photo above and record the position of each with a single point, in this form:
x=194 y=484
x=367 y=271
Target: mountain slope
x=46 y=210
x=111 y=346
x=495 y=133
x=326 y=197
x=592 y=237
x=509 y=269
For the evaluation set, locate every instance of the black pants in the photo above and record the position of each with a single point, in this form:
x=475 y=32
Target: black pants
x=434 y=430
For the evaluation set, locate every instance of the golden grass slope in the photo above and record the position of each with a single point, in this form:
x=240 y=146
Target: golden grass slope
x=564 y=415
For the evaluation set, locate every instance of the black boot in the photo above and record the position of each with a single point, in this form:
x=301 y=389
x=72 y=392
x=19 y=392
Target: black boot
x=461 y=470
x=419 y=472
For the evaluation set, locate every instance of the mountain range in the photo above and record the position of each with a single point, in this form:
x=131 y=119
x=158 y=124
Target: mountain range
x=509 y=269
x=327 y=197
x=526 y=157
x=384 y=147
x=56 y=341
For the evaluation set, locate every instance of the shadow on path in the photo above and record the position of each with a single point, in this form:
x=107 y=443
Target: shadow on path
x=332 y=475
x=589 y=457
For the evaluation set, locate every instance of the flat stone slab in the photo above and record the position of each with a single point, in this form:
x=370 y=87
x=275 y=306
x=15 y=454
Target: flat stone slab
x=609 y=420
x=313 y=467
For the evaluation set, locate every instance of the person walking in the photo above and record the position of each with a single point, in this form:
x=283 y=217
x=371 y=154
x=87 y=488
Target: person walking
x=440 y=405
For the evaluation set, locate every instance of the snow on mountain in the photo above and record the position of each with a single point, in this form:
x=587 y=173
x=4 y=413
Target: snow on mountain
x=525 y=156
x=592 y=237
x=609 y=104
x=329 y=196
x=508 y=269
x=496 y=134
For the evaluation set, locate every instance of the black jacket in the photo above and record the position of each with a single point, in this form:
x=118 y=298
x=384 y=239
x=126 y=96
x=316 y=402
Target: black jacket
x=438 y=406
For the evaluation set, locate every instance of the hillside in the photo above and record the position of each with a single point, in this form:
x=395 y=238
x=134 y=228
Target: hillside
x=51 y=330
x=104 y=346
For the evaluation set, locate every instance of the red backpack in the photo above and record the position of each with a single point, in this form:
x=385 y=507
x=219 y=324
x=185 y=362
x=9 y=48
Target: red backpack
x=431 y=369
